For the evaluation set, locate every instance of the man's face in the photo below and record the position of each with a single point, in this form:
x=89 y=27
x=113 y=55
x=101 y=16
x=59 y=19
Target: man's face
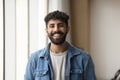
x=57 y=31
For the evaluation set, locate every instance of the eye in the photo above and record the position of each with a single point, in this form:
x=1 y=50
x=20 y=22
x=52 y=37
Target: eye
x=61 y=25
x=51 y=26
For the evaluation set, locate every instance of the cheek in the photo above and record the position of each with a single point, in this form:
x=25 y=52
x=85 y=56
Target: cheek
x=48 y=33
x=65 y=31
x=48 y=30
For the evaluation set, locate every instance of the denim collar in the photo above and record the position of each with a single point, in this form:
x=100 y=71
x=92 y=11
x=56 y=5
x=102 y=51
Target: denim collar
x=72 y=51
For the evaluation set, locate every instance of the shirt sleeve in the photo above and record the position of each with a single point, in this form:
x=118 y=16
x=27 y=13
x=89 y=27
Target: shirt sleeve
x=89 y=72
x=29 y=72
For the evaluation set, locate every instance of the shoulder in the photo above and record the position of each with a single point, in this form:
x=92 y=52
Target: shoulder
x=35 y=55
x=83 y=54
x=83 y=57
x=78 y=51
x=79 y=54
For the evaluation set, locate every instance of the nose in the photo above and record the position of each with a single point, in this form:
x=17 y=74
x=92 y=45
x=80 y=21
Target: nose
x=56 y=28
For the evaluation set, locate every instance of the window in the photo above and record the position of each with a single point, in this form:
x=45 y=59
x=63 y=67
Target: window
x=22 y=34
x=1 y=40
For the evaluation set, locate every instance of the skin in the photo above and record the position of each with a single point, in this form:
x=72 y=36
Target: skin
x=58 y=42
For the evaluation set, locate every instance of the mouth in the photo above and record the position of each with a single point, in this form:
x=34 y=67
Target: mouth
x=57 y=36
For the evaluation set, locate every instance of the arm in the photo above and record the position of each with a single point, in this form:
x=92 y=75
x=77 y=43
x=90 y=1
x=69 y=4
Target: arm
x=89 y=73
x=29 y=73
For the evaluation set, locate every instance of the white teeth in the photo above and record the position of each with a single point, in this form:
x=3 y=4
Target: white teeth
x=57 y=35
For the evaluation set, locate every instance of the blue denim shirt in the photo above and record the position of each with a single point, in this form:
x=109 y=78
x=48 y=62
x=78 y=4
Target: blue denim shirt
x=79 y=65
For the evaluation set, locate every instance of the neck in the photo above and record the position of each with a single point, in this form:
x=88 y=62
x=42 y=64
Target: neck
x=58 y=48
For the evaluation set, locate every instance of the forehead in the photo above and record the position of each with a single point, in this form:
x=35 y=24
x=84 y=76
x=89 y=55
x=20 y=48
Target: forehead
x=56 y=21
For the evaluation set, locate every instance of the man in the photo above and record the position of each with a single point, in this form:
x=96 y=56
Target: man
x=59 y=60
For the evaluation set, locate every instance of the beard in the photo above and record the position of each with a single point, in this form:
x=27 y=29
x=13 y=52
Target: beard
x=60 y=40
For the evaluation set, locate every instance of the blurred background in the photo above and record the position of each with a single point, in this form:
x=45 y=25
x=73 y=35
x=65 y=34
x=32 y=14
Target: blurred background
x=95 y=27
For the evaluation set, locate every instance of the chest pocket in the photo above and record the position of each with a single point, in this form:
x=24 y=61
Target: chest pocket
x=76 y=74
x=42 y=75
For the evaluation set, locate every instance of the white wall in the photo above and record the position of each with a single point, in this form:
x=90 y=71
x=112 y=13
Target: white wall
x=105 y=37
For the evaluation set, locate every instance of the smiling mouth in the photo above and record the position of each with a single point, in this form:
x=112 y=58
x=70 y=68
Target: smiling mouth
x=57 y=36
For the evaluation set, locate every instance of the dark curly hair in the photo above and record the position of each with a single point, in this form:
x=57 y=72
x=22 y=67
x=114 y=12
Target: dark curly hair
x=57 y=15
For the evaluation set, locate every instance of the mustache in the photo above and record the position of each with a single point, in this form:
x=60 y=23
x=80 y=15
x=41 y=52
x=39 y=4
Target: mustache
x=58 y=32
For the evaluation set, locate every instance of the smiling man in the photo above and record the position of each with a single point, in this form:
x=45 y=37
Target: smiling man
x=59 y=60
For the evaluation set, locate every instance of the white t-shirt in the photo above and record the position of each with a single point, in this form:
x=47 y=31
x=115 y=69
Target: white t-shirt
x=58 y=64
